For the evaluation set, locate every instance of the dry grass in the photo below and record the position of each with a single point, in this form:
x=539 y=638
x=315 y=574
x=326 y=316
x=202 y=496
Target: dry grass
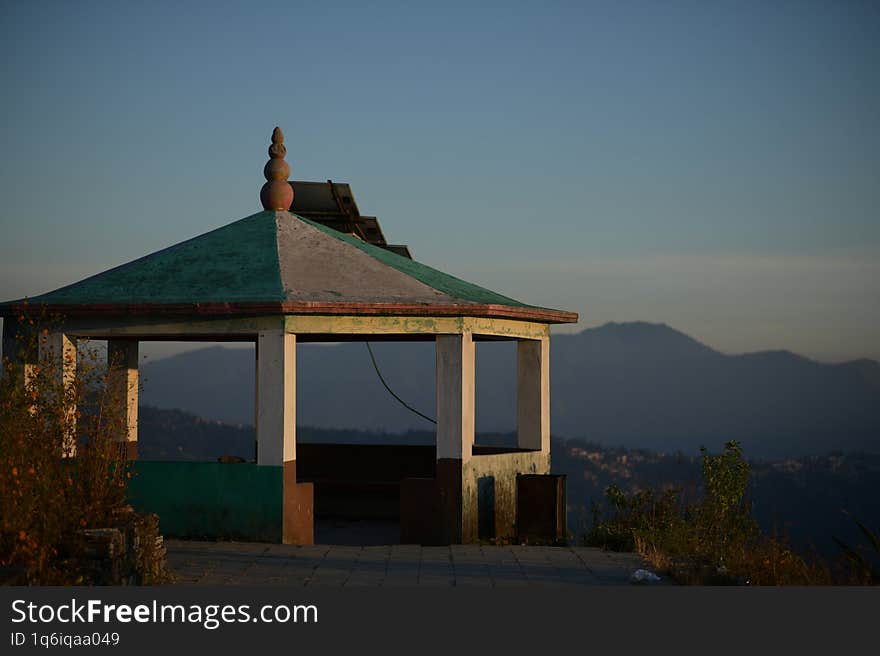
x=46 y=497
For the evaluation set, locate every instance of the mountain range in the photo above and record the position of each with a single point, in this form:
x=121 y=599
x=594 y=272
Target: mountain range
x=638 y=385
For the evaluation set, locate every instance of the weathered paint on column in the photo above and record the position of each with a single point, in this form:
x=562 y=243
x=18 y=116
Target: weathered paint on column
x=498 y=472
x=455 y=396
x=61 y=348
x=455 y=428
x=276 y=431
x=298 y=508
x=276 y=402
x=533 y=394
x=123 y=379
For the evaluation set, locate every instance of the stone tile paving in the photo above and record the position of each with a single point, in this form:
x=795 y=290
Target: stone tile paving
x=398 y=565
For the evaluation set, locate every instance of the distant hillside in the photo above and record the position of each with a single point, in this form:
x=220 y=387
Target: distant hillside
x=636 y=384
x=801 y=497
x=177 y=435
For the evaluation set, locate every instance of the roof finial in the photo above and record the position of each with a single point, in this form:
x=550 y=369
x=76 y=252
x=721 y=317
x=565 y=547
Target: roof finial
x=276 y=194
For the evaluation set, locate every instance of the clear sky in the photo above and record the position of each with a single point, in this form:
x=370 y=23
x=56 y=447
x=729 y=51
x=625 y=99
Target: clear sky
x=714 y=166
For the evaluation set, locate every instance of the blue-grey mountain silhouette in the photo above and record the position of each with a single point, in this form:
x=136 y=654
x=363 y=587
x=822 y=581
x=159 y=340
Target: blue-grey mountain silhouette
x=639 y=385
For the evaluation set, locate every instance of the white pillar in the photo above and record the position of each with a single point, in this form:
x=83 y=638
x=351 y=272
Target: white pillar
x=122 y=377
x=533 y=394
x=61 y=349
x=455 y=396
x=256 y=395
x=276 y=399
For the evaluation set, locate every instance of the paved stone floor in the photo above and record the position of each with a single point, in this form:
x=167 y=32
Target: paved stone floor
x=246 y=563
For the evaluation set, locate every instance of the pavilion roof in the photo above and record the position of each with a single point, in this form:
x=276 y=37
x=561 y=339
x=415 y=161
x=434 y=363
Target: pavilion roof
x=278 y=262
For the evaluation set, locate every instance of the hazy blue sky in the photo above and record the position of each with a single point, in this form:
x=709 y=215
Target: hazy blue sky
x=713 y=166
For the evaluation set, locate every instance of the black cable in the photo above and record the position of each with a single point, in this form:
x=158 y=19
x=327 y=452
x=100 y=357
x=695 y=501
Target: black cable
x=391 y=392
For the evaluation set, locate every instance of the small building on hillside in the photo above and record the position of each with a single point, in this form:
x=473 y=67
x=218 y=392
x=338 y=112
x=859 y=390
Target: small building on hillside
x=310 y=268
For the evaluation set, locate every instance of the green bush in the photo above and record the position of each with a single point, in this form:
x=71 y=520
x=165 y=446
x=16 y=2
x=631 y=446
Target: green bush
x=864 y=560
x=713 y=540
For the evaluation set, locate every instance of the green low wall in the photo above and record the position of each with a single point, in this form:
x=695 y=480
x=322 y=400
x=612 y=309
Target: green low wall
x=210 y=500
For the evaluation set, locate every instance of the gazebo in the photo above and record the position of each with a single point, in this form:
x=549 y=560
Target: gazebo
x=277 y=278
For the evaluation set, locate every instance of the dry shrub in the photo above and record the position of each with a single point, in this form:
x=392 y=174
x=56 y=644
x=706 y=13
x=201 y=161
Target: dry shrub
x=47 y=498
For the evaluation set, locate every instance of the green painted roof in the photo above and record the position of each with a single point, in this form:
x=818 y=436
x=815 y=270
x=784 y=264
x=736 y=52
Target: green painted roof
x=238 y=262
x=274 y=257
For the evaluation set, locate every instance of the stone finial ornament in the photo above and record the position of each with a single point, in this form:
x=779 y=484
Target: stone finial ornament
x=276 y=194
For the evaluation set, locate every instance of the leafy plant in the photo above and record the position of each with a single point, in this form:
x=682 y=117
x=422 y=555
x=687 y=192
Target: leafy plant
x=713 y=540
x=859 y=557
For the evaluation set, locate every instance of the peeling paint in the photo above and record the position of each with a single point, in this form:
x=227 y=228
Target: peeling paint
x=503 y=467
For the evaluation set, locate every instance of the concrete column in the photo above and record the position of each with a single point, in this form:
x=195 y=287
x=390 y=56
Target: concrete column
x=533 y=394
x=276 y=402
x=256 y=396
x=123 y=380
x=455 y=396
x=61 y=350
x=455 y=431
x=276 y=431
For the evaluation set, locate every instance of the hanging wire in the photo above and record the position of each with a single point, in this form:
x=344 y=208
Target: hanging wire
x=391 y=392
